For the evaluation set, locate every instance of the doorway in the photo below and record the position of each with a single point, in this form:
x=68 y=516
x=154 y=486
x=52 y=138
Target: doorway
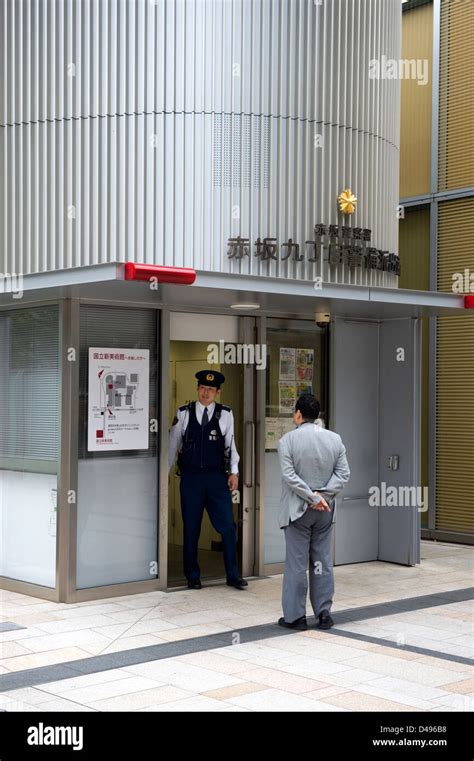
x=376 y=409
x=187 y=356
x=297 y=364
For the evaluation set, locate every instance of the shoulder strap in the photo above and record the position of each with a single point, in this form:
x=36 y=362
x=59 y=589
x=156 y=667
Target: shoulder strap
x=190 y=408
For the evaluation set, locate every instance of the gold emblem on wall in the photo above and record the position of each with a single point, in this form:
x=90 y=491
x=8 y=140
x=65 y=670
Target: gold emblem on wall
x=347 y=201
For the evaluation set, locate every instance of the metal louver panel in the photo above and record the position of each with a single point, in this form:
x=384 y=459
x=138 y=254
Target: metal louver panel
x=415 y=137
x=455 y=377
x=456 y=101
x=110 y=112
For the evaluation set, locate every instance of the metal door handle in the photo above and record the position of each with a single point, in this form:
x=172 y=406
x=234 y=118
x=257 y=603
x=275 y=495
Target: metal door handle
x=249 y=453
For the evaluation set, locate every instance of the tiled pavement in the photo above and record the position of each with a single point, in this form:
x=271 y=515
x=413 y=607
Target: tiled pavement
x=403 y=641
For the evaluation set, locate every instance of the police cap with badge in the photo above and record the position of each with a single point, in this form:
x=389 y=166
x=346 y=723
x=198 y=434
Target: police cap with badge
x=210 y=378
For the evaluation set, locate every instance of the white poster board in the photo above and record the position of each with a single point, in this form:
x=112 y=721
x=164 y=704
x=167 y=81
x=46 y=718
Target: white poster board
x=118 y=399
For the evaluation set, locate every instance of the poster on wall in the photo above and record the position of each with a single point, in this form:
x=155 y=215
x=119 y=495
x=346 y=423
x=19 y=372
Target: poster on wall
x=272 y=432
x=303 y=388
x=287 y=364
x=287 y=399
x=118 y=399
x=304 y=365
x=275 y=428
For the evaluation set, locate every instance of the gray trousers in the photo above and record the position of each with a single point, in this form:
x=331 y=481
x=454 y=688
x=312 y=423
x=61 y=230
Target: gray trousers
x=308 y=545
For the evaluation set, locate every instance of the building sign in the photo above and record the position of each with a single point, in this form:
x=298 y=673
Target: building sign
x=334 y=244
x=118 y=399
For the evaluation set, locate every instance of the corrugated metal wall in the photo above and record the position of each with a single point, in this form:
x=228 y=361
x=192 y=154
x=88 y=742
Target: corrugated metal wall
x=154 y=130
x=415 y=261
x=456 y=101
x=415 y=133
x=455 y=375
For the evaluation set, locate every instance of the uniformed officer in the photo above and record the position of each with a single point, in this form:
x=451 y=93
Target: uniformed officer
x=203 y=434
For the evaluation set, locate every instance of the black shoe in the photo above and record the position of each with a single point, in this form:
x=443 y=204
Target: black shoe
x=325 y=620
x=239 y=583
x=300 y=624
x=194 y=584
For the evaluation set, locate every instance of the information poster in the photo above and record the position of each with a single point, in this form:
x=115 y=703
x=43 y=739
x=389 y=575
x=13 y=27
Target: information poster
x=272 y=432
x=287 y=364
x=295 y=378
x=303 y=388
x=287 y=397
x=118 y=408
x=275 y=428
x=304 y=365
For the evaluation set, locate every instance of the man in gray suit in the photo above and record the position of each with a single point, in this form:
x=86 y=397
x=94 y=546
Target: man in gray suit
x=314 y=469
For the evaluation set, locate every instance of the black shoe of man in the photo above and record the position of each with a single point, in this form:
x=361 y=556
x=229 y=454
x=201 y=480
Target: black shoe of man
x=239 y=583
x=194 y=584
x=299 y=625
x=325 y=620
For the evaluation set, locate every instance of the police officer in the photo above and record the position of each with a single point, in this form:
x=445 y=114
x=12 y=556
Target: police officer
x=203 y=434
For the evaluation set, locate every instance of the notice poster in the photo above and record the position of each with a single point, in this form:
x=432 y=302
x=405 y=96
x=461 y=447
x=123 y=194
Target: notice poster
x=304 y=365
x=118 y=399
x=287 y=364
x=275 y=428
x=287 y=397
x=272 y=432
x=303 y=388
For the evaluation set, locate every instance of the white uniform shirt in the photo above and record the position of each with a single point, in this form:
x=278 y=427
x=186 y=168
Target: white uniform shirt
x=226 y=424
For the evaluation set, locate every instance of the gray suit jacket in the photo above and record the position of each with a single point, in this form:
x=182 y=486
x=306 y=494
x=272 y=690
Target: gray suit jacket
x=311 y=459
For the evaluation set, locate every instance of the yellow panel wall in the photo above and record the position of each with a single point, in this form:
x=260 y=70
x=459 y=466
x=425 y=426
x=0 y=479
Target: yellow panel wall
x=415 y=258
x=416 y=108
x=455 y=376
x=456 y=106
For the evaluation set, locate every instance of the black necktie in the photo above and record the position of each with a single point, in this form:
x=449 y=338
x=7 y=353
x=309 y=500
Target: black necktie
x=205 y=418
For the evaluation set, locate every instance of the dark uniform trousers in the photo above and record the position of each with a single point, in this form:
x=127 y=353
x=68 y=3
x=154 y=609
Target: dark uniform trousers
x=208 y=489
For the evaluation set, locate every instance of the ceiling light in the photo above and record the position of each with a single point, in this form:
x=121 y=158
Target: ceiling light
x=245 y=306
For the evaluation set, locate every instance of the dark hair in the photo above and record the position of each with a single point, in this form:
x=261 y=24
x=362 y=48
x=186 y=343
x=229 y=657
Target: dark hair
x=309 y=406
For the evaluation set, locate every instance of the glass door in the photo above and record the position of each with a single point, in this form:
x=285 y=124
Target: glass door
x=297 y=363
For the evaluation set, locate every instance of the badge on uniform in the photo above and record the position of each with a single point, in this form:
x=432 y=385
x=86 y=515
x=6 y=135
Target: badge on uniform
x=213 y=436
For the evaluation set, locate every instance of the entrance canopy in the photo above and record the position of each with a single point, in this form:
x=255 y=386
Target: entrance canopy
x=219 y=292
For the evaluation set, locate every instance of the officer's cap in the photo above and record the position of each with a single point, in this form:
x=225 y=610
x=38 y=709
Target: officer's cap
x=210 y=378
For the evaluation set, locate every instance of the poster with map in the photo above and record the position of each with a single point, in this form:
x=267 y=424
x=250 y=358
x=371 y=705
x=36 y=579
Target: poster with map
x=118 y=396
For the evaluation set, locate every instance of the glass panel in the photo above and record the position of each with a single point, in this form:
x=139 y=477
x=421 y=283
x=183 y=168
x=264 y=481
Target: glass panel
x=117 y=517
x=295 y=365
x=29 y=436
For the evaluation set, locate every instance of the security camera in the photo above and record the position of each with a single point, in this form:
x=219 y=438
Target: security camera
x=322 y=319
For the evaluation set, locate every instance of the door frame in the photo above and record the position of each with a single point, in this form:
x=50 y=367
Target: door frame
x=264 y=324
x=249 y=474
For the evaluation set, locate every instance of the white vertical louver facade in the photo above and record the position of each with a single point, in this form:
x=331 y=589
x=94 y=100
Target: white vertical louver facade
x=155 y=130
